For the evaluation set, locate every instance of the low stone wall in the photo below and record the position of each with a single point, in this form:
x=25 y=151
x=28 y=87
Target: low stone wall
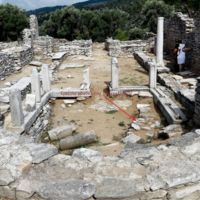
x=36 y=171
x=197 y=104
x=118 y=48
x=41 y=124
x=13 y=59
x=76 y=47
x=43 y=44
x=6 y=45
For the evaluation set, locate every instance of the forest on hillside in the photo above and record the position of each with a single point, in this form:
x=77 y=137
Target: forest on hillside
x=120 y=19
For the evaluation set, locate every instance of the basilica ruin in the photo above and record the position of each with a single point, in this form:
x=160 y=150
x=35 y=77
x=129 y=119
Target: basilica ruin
x=83 y=121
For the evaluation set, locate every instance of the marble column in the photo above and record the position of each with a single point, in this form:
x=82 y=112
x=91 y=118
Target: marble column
x=114 y=73
x=35 y=85
x=46 y=83
x=17 y=116
x=153 y=75
x=160 y=40
x=86 y=77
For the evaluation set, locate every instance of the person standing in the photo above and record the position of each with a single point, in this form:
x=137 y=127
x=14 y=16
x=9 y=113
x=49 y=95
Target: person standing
x=181 y=56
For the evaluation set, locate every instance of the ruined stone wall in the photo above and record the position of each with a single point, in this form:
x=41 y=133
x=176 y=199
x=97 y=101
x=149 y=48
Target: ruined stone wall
x=180 y=27
x=76 y=47
x=41 y=124
x=13 y=59
x=6 y=45
x=196 y=43
x=197 y=104
x=27 y=37
x=34 y=26
x=43 y=44
x=118 y=48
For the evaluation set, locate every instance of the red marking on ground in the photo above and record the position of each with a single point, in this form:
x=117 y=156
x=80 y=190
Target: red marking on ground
x=133 y=119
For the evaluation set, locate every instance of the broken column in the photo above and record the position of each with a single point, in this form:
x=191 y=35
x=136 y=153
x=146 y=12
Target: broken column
x=27 y=37
x=35 y=85
x=46 y=83
x=114 y=73
x=86 y=77
x=159 y=43
x=34 y=26
x=197 y=104
x=78 y=140
x=153 y=75
x=17 y=116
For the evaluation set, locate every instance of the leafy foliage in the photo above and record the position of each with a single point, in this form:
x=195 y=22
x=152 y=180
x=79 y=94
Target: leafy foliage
x=72 y=23
x=12 y=22
x=120 y=19
x=95 y=19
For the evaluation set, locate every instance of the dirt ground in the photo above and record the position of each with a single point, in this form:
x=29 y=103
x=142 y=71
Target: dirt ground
x=110 y=127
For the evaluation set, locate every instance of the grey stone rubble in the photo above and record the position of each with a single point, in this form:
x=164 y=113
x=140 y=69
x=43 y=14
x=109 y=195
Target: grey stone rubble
x=139 y=173
x=131 y=139
x=185 y=95
x=174 y=130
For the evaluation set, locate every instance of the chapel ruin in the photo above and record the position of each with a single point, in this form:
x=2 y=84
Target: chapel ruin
x=82 y=120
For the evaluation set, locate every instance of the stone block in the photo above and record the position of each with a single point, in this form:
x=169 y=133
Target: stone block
x=87 y=154
x=67 y=189
x=41 y=152
x=30 y=102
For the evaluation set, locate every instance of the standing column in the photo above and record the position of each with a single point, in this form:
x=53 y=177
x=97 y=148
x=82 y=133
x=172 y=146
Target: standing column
x=17 y=116
x=160 y=40
x=86 y=77
x=46 y=78
x=153 y=75
x=114 y=73
x=35 y=85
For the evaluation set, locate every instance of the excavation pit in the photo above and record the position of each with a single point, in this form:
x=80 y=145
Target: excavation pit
x=110 y=124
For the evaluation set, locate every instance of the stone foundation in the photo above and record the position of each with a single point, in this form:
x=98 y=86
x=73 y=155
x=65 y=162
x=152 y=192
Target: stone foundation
x=197 y=104
x=6 y=45
x=118 y=48
x=76 y=47
x=40 y=125
x=13 y=59
x=43 y=44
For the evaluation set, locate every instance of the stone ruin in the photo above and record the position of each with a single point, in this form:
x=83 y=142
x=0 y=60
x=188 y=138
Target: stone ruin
x=183 y=27
x=118 y=48
x=76 y=47
x=30 y=170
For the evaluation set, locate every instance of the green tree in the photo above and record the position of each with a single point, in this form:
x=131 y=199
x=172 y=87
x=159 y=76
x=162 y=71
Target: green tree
x=153 y=9
x=12 y=21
